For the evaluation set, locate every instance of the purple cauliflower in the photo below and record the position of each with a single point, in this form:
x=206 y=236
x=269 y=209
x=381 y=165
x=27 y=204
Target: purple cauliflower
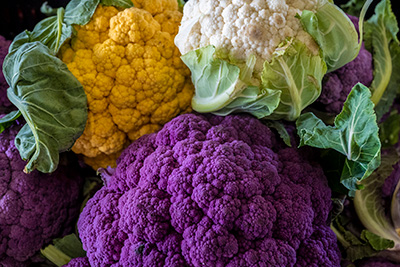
x=4 y=102
x=78 y=262
x=211 y=191
x=338 y=84
x=34 y=207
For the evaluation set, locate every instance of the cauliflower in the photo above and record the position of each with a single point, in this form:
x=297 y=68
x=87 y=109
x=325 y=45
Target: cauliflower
x=266 y=58
x=4 y=102
x=78 y=262
x=338 y=84
x=242 y=28
x=132 y=75
x=210 y=191
x=35 y=207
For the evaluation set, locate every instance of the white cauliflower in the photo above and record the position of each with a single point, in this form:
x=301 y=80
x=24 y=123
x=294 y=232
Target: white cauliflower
x=240 y=28
x=264 y=57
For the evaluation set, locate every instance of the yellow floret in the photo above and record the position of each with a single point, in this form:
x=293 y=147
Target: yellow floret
x=132 y=74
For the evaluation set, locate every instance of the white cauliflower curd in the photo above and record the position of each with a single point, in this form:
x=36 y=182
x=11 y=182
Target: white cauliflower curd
x=240 y=28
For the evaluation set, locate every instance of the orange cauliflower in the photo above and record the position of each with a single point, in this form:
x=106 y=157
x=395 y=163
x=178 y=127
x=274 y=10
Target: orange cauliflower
x=132 y=74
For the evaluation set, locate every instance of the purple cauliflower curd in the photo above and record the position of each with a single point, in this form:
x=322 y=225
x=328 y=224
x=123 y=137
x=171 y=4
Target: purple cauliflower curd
x=211 y=191
x=35 y=207
x=4 y=44
x=338 y=84
x=78 y=262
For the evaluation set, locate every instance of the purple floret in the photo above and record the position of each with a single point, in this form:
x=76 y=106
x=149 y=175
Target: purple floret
x=78 y=262
x=338 y=84
x=35 y=207
x=4 y=44
x=211 y=191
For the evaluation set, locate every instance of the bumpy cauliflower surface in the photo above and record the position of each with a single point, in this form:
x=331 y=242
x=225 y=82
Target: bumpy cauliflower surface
x=34 y=207
x=211 y=191
x=240 y=28
x=132 y=74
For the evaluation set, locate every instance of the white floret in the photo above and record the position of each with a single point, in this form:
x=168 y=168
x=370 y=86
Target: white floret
x=240 y=28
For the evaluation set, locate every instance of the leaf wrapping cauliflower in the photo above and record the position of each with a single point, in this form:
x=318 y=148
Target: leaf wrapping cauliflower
x=211 y=191
x=132 y=75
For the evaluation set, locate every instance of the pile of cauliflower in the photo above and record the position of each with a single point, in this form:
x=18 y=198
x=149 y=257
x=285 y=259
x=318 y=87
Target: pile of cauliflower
x=180 y=188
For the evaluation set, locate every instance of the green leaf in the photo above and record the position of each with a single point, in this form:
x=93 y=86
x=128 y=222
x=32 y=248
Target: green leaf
x=181 y=4
x=296 y=72
x=353 y=7
x=251 y=100
x=63 y=250
x=380 y=31
x=214 y=79
x=327 y=26
x=48 y=10
x=395 y=208
x=368 y=202
x=118 y=3
x=354 y=247
x=280 y=128
x=80 y=12
x=52 y=31
x=354 y=134
x=51 y=100
x=389 y=130
x=378 y=243
x=8 y=120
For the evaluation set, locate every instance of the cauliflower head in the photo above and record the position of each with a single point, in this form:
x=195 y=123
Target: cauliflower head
x=338 y=84
x=241 y=28
x=34 y=207
x=211 y=191
x=132 y=74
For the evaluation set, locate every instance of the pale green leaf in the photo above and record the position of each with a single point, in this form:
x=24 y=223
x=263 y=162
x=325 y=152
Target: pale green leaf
x=368 y=202
x=296 y=72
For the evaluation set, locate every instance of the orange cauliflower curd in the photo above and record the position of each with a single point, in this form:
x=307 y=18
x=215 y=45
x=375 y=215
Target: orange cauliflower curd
x=132 y=74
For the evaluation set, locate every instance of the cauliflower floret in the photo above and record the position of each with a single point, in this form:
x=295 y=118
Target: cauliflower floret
x=241 y=28
x=132 y=74
x=211 y=191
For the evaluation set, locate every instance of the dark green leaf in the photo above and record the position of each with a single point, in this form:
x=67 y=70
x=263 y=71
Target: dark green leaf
x=389 y=130
x=63 y=250
x=280 y=128
x=118 y=3
x=8 y=120
x=353 y=7
x=378 y=243
x=80 y=12
x=51 y=100
x=354 y=248
x=354 y=134
x=52 y=31
x=48 y=10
